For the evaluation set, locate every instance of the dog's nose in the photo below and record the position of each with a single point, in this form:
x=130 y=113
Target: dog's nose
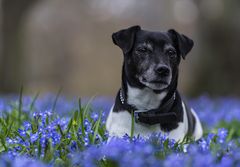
x=163 y=70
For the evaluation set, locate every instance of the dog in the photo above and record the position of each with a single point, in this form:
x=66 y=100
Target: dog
x=148 y=93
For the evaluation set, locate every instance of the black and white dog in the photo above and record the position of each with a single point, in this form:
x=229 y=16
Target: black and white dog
x=149 y=86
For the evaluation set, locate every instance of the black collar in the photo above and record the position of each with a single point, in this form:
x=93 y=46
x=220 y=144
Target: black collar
x=161 y=115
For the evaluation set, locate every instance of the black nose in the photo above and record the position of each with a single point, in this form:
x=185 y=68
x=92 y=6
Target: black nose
x=163 y=70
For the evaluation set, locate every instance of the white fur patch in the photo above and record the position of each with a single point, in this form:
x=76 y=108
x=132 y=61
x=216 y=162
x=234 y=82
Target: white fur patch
x=144 y=99
x=198 y=132
x=119 y=124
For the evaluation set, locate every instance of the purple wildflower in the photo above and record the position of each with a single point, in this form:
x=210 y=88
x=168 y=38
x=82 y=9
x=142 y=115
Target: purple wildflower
x=94 y=116
x=22 y=132
x=222 y=135
x=26 y=125
x=203 y=145
x=34 y=137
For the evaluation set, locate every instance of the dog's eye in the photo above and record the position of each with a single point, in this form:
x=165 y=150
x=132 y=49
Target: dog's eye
x=171 y=53
x=142 y=50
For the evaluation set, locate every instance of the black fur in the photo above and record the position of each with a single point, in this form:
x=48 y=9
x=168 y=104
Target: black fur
x=182 y=43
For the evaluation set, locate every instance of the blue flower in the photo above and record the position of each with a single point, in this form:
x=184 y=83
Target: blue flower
x=48 y=113
x=171 y=143
x=226 y=161
x=37 y=115
x=210 y=138
x=94 y=116
x=56 y=138
x=9 y=140
x=202 y=160
x=204 y=146
x=73 y=146
x=148 y=149
x=222 y=135
x=22 y=132
x=34 y=137
x=26 y=125
x=24 y=161
x=87 y=125
x=86 y=141
x=174 y=160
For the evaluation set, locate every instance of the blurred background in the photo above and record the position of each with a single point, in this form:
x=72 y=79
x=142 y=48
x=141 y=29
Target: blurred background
x=46 y=45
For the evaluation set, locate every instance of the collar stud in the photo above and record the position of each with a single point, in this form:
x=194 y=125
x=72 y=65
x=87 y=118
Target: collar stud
x=121 y=97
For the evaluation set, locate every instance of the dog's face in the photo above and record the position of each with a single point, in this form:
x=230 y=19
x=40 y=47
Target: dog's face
x=152 y=58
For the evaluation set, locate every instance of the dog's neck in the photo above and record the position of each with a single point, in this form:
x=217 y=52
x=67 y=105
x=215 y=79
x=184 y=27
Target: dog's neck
x=144 y=99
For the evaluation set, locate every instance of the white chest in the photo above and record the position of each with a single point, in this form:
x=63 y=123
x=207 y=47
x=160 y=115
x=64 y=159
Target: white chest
x=119 y=124
x=144 y=99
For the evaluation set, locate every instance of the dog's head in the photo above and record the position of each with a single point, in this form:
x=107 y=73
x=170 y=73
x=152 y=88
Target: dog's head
x=152 y=58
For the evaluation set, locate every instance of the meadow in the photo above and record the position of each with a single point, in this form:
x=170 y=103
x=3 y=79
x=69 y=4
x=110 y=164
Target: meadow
x=51 y=130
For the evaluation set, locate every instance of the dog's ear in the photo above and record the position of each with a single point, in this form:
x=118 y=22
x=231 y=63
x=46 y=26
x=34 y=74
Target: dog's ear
x=183 y=43
x=125 y=38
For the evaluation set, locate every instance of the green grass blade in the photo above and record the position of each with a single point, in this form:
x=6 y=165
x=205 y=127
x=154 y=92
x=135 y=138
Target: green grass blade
x=81 y=116
x=56 y=99
x=2 y=139
x=87 y=106
x=9 y=128
x=69 y=126
x=34 y=100
x=60 y=129
x=20 y=105
x=96 y=128
x=132 y=125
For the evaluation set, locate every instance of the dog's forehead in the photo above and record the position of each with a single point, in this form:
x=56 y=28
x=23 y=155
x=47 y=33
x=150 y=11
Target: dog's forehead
x=153 y=37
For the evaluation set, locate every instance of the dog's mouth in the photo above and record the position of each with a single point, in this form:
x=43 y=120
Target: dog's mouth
x=154 y=84
x=159 y=82
x=154 y=81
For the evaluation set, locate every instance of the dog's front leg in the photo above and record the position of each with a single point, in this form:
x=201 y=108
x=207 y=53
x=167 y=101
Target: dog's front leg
x=118 y=123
